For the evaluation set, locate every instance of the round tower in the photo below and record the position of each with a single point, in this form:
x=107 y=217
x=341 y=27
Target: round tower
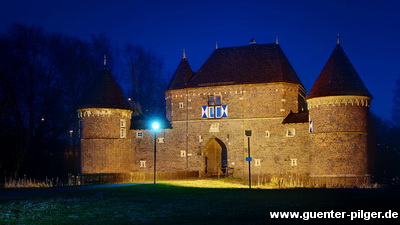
x=105 y=119
x=338 y=106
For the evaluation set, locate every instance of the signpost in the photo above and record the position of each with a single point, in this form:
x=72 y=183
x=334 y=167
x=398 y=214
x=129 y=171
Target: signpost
x=155 y=127
x=248 y=158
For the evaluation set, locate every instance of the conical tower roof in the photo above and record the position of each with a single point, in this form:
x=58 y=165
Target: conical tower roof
x=182 y=75
x=338 y=78
x=105 y=93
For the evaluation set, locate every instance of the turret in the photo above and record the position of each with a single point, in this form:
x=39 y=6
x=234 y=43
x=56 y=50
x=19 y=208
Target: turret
x=338 y=105
x=105 y=121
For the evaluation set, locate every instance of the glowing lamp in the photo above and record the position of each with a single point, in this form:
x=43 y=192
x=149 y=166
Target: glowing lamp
x=155 y=125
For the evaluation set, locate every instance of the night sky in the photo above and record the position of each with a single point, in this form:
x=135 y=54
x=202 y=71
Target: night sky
x=307 y=30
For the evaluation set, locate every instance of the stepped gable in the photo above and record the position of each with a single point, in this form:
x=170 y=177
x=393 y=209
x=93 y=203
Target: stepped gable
x=338 y=78
x=182 y=75
x=105 y=93
x=256 y=63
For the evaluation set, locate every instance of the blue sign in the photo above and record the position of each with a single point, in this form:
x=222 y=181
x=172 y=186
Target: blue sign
x=214 y=111
x=248 y=159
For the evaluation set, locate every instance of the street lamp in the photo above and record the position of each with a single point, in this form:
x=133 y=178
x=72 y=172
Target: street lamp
x=155 y=126
x=248 y=159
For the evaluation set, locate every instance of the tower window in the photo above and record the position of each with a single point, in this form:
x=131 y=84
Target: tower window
x=161 y=140
x=122 y=123
x=290 y=132
x=257 y=162
x=267 y=134
x=293 y=162
x=139 y=134
x=181 y=105
x=122 y=132
x=143 y=164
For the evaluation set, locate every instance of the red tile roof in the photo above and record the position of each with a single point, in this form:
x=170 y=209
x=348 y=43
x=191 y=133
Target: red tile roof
x=338 y=78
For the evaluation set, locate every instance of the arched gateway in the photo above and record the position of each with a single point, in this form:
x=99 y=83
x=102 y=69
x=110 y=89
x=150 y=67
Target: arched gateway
x=215 y=157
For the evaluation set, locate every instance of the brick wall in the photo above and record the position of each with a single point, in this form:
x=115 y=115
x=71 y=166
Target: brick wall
x=103 y=150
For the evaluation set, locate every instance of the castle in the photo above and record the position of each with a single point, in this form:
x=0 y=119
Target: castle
x=321 y=136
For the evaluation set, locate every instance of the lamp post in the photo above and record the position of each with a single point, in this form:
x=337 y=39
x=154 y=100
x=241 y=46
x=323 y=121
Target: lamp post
x=155 y=127
x=248 y=159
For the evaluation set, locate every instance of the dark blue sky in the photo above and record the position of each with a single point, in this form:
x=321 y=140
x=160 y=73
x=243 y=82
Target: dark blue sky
x=307 y=30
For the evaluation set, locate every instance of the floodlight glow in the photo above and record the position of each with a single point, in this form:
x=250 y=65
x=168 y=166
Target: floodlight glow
x=155 y=125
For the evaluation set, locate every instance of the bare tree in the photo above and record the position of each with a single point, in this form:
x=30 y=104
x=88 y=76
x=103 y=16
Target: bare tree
x=147 y=83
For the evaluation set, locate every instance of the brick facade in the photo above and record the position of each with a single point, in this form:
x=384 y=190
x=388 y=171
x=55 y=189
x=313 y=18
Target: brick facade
x=329 y=147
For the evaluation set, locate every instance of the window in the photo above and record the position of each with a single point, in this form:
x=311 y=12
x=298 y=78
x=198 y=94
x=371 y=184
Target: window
x=161 y=140
x=267 y=134
x=122 y=130
x=200 y=138
x=139 y=134
x=183 y=153
x=214 y=106
x=257 y=162
x=293 y=162
x=290 y=132
x=142 y=164
x=122 y=123
x=181 y=105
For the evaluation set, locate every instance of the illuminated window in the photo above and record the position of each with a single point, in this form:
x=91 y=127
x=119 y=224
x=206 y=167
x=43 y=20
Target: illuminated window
x=181 y=105
x=267 y=134
x=290 y=132
x=161 y=140
x=293 y=162
x=139 y=134
x=183 y=153
x=122 y=132
x=257 y=162
x=143 y=164
x=122 y=122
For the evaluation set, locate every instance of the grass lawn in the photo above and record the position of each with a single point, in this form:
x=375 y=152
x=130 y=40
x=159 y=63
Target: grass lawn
x=176 y=203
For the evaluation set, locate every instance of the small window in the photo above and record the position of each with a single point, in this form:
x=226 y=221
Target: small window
x=211 y=100
x=200 y=138
x=122 y=133
x=293 y=162
x=290 y=132
x=257 y=162
x=183 y=153
x=161 y=140
x=267 y=134
x=139 y=134
x=214 y=100
x=122 y=123
x=181 y=105
x=142 y=164
x=217 y=100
